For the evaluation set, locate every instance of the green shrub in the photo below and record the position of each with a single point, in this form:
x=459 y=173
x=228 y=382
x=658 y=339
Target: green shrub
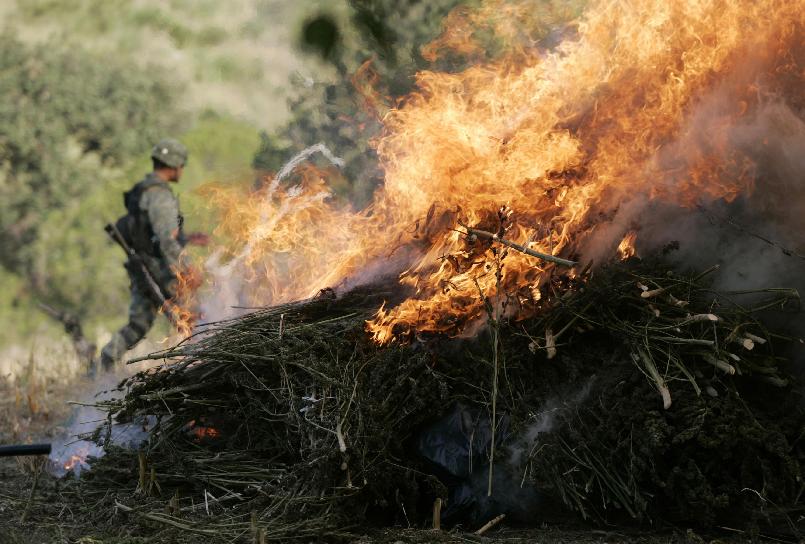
x=390 y=33
x=68 y=121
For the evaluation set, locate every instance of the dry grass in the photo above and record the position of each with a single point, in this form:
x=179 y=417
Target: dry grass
x=39 y=379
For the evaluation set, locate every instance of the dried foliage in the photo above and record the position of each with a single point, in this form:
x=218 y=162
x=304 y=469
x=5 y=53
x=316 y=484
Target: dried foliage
x=703 y=426
x=289 y=422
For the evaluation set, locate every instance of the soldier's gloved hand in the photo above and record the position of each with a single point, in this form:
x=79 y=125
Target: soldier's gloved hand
x=197 y=239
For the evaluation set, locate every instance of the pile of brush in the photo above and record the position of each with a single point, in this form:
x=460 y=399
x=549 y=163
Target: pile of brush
x=637 y=394
x=693 y=413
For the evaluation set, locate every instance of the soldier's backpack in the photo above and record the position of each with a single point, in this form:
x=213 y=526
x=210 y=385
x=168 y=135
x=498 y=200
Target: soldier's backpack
x=134 y=226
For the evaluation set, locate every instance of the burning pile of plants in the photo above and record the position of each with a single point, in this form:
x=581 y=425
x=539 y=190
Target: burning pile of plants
x=477 y=380
x=638 y=394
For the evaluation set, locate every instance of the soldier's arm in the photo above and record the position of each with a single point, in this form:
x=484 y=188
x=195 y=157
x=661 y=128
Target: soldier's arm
x=163 y=213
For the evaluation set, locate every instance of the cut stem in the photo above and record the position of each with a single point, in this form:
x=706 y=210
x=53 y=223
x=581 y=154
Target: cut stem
x=491 y=523
x=719 y=364
x=651 y=368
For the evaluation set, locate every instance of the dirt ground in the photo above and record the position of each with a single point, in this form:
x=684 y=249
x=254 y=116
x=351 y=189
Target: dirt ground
x=56 y=514
x=52 y=518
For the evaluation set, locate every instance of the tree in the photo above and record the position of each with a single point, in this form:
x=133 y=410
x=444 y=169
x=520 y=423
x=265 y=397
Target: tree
x=341 y=114
x=68 y=121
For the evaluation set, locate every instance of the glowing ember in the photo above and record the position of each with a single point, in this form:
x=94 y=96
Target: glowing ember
x=75 y=460
x=626 y=248
x=541 y=146
x=206 y=432
x=73 y=457
x=202 y=432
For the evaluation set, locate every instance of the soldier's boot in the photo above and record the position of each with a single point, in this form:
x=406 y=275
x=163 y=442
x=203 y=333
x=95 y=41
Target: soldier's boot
x=113 y=352
x=141 y=316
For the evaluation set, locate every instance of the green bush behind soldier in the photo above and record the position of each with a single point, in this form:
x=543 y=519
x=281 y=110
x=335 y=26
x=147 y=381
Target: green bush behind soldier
x=155 y=231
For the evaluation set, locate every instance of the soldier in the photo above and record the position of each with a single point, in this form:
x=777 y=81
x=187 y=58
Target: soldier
x=153 y=228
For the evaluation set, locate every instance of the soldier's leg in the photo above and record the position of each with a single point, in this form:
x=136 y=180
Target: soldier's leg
x=142 y=313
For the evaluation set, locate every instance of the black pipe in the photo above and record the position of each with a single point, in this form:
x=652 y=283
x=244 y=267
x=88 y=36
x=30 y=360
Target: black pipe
x=25 y=449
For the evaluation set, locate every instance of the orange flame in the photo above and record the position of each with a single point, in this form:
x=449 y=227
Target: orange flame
x=181 y=309
x=542 y=146
x=77 y=460
x=73 y=461
x=626 y=248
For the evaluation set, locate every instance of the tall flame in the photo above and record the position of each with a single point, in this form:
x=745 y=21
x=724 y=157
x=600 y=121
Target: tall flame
x=542 y=146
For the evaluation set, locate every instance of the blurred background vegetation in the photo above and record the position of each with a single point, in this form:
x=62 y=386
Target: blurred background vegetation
x=88 y=85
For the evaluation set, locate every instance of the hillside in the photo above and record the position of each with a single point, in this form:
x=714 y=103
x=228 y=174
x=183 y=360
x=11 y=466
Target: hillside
x=235 y=57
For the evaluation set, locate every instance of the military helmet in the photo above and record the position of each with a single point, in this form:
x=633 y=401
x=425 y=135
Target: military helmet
x=170 y=152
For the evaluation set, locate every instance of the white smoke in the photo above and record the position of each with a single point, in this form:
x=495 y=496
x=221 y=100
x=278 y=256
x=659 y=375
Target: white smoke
x=229 y=276
x=74 y=448
x=528 y=441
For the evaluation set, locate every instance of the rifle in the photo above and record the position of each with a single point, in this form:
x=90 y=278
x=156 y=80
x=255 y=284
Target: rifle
x=155 y=291
x=25 y=449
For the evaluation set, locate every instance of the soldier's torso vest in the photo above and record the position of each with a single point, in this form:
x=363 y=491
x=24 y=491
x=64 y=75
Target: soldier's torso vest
x=135 y=226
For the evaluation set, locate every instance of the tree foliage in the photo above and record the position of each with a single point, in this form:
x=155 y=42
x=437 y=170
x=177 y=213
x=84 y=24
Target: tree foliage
x=68 y=121
x=344 y=114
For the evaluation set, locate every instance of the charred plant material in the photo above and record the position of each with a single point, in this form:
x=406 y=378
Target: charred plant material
x=291 y=410
x=681 y=335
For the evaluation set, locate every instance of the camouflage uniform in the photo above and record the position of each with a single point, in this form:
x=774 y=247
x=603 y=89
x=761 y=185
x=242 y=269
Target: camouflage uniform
x=158 y=210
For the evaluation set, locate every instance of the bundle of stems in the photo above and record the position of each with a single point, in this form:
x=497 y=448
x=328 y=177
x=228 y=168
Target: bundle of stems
x=291 y=412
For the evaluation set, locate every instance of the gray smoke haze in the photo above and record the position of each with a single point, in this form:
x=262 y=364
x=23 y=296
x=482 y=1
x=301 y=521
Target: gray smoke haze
x=72 y=448
x=767 y=146
x=527 y=441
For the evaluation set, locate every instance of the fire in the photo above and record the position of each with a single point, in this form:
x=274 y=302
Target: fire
x=202 y=432
x=73 y=457
x=181 y=309
x=626 y=248
x=74 y=461
x=542 y=146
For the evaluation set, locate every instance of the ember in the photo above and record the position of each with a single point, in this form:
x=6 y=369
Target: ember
x=75 y=461
x=202 y=432
x=73 y=457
